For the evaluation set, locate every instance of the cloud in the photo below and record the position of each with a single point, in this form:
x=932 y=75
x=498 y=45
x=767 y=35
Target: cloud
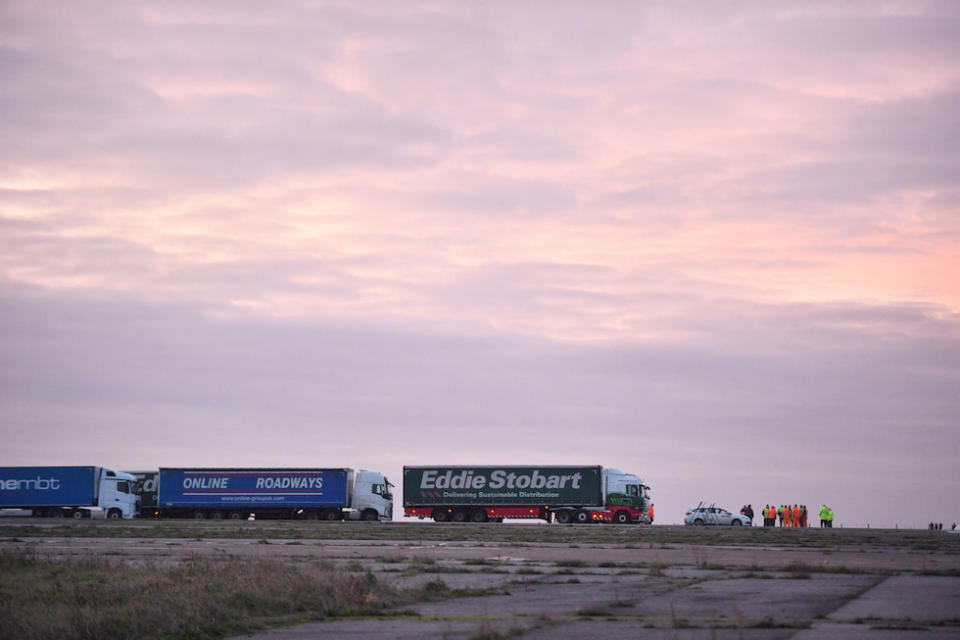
x=706 y=232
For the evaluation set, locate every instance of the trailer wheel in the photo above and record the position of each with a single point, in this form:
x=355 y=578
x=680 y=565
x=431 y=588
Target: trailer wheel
x=478 y=515
x=114 y=514
x=440 y=515
x=459 y=515
x=370 y=515
x=563 y=517
x=330 y=515
x=77 y=514
x=199 y=515
x=235 y=515
x=622 y=517
x=582 y=516
x=217 y=515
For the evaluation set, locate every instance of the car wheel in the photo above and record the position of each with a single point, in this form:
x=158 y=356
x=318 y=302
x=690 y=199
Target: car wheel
x=737 y=523
x=698 y=522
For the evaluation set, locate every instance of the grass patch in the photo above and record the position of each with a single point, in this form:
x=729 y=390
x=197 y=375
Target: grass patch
x=45 y=599
x=571 y=563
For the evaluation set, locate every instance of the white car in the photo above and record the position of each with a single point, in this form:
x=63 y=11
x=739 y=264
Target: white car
x=701 y=515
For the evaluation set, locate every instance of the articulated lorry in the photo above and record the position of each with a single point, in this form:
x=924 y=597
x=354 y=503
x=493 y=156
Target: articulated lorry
x=485 y=493
x=74 y=492
x=308 y=494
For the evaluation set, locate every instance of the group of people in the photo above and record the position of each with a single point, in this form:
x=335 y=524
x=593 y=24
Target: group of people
x=795 y=516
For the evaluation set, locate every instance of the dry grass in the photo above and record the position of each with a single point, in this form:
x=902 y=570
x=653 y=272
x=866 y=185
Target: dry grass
x=199 y=599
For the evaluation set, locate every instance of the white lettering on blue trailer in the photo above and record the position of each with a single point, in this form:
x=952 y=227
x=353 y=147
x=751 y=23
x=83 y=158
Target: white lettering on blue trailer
x=205 y=483
x=31 y=484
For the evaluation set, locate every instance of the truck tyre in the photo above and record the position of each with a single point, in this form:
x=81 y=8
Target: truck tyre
x=459 y=515
x=330 y=515
x=198 y=515
x=369 y=515
x=217 y=515
x=622 y=517
x=77 y=514
x=563 y=517
x=582 y=516
x=440 y=515
x=235 y=515
x=114 y=514
x=478 y=515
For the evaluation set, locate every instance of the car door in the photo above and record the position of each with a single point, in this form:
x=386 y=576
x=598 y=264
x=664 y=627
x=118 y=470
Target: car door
x=724 y=516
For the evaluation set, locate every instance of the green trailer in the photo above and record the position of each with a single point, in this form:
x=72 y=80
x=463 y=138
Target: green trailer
x=482 y=493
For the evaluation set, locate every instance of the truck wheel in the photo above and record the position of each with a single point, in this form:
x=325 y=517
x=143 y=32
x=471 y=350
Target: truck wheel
x=459 y=515
x=330 y=515
x=199 y=515
x=235 y=515
x=217 y=515
x=563 y=517
x=114 y=514
x=622 y=517
x=440 y=515
x=582 y=516
x=77 y=514
x=370 y=515
x=478 y=515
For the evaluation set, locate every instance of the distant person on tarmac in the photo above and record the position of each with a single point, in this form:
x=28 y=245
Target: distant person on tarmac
x=780 y=513
x=748 y=511
x=767 y=519
x=796 y=515
x=823 y=517
x=803 y=516
x=650 y=512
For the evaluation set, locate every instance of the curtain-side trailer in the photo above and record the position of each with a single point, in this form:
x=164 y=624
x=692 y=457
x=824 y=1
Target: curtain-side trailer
x=308 y=494
x=491 y=493
x=75 y=492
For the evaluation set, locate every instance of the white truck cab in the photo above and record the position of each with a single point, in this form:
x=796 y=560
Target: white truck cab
x=116 y=495
x=372 y=497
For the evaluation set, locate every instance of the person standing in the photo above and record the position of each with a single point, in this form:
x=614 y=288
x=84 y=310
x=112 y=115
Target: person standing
x=803 y=516
x=796 y=515
x=748 y=511
x=650 y=512
x=823 y=517
x=780 y=513
x=766 y=516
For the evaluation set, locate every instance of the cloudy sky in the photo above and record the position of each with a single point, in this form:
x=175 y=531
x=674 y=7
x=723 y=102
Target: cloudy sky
x=714 y=244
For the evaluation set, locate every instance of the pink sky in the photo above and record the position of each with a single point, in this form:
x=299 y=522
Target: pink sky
x=714 y=245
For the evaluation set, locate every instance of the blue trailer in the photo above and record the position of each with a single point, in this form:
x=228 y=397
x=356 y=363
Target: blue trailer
x=68 y=491
x=310 y=494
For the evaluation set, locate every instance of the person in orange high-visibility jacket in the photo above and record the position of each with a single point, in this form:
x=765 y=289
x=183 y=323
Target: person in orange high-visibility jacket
x=796 y=515
x=650 y=513
x=787 y=516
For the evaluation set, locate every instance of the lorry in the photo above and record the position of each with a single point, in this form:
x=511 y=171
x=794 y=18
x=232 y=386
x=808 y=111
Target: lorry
x=308 y=494
x=69 y=492
x=565 y=494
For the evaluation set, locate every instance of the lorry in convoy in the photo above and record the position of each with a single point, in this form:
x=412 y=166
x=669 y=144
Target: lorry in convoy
x=68 y=492
x=563 y=494
x=238 y=494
